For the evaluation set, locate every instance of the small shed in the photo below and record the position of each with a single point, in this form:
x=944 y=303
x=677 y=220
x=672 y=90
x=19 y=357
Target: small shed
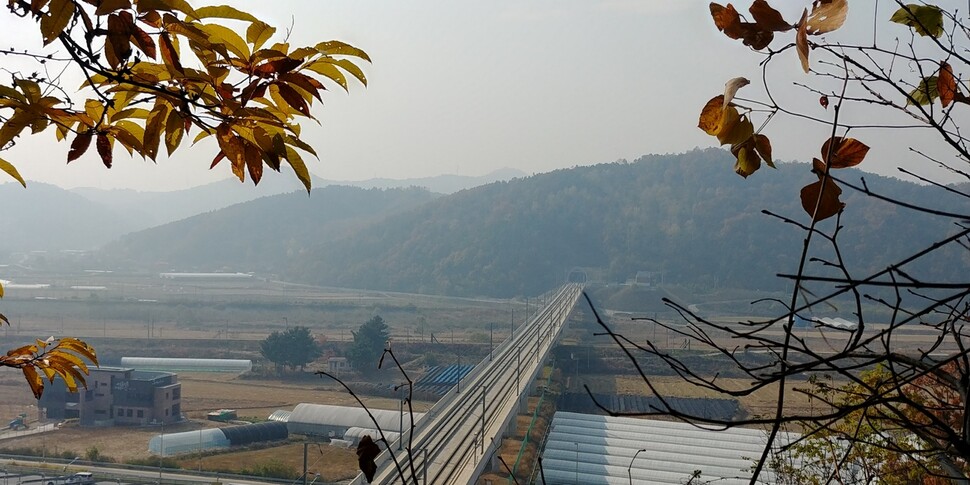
x=336 y=365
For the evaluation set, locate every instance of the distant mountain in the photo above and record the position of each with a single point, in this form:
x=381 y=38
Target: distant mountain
x=687 y=217
x=264 y=234
x=149 y=209
x=47 y=218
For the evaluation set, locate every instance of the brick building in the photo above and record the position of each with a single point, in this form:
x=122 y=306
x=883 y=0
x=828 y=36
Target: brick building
x=117 y=396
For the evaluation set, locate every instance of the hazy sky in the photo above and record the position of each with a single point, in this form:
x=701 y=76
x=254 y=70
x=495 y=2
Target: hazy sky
x=469 y=87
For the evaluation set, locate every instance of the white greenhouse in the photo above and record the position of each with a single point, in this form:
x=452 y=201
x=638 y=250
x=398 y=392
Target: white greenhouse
x=588 y=449
x=238 y=366
x=216 y=438
x=334 y=421
x=188 y=442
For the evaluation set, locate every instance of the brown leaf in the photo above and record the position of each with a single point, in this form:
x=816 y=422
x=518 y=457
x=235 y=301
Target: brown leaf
x=143 y=41
x=827 y=15
x=818 y=167
x=821 y=200
x=801 y=40
x=711 y=114
x=118 y=47
x=293 y=98
x=727 y=20
x=767 y=17
x=846 y=152
x=34 y=379
x=215 y=161
x=304 y=82
x=755 y=36
x=946 y=85
x=79 y=146
x=104 y=149
x=276 y=66
x=56 y=20
x=109 y=6
x=169 y=54
x=763 y=145
x=254 y=163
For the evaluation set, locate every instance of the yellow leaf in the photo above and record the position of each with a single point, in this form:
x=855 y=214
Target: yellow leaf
x=327 y=68
x=353 y=69
x=734 y=128
x=14 y=125
x=174 y=129
x=154 y=126
x=34 y=379
x=1 y=290
x=711 y=114
x=58 y=16
x=129 y=134
x=224 y=12
x=296 y=161
x=30 y=89
x=11 y=171
x=219 y=34
x=748 y=162
x=335 y=48
x=165 y=5
x=258 y=33
x=79 y=347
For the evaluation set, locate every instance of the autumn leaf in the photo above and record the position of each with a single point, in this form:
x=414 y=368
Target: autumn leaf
x=11 y=171
x=767 y=17
x=748 y=161
x=821 y=204
x=926 y=92
x=735 y=128
x=826 y=16
x=763 y=146
x=845 y=152
x=946 y=85
x=727 y=20
x=923 y=19
x=731 y=88
x=801 y=40
x=108 y=6
x=103 y=145
x=823 y=100
x=711 y=114
x=169 y=54
x=59 y=15
x=79 y=146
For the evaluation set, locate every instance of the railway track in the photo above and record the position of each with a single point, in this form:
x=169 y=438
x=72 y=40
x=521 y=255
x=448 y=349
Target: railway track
x=449 y=443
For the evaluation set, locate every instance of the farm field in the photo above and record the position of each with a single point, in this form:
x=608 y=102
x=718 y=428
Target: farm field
x=202 y=393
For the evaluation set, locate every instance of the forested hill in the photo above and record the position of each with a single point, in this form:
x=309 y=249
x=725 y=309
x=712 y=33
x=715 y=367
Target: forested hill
x=265 y=234
x=688 y=216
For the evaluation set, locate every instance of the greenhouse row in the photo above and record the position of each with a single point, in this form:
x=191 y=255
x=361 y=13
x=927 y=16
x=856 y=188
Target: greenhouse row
x=197 y=365
x=216 y=438
x=588 y=449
